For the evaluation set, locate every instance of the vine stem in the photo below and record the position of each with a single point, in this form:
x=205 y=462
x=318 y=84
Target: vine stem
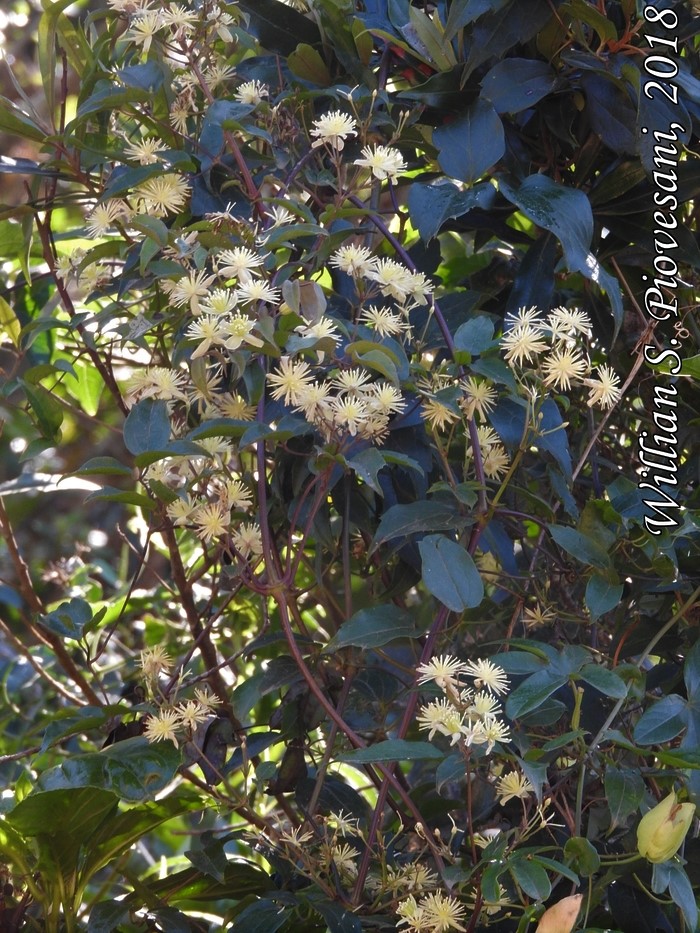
x=688 y=604
x=348 y=731
x=44 y=636
x=404 y=726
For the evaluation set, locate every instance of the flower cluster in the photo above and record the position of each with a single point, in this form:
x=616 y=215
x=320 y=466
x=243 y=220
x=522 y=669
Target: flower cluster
x=346 y=404
x=172 y=722
x=468 y=715
x=555 y=346
x=433 y=913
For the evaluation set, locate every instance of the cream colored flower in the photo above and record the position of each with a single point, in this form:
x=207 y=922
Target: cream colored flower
x=238 y=262
x=212 y=521
x=333 y=129
x=251 y=92
x=189 y=289
x=164 y=194
x=563 y=366
x=163 y=727
x=247 y=540
x=290 y=380
x=103 y=217
x=443 y=913
x=353 y=260
x=383 y=161
x=523 y=342
x=487 y=674
x=445 y=670
x=384 y=321
x=154 y=661
x=605 y=388
x=513 y=786
x=479 y=397
x=145 y=151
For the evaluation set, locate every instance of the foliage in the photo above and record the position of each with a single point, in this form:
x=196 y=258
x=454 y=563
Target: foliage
x=332 y=598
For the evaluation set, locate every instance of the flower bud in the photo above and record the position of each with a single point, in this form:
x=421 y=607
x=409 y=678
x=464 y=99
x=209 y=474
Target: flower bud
x=662 y=830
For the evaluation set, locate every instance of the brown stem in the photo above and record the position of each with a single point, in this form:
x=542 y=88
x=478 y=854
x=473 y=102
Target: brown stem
x=35 y=605
x=199 y=633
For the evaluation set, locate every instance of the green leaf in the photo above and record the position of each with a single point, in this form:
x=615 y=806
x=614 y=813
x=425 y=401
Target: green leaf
x=74 y=812
x=306 y=63
x=475 y=335
x=583 y=856
x=430 y=205
x=463 y=12
x=9 y=324
x=103 y=466
x=566 y=212
x=367 y=465
x=608 y=682
x=279 y=28
x=17 y=123
x=372 y=628
x=450 y=574
x=533 y=692
x=107 y=915
x=682 y=893
x=134 y=769
x=472 y=143
x=46 y=409
x=580 y=546
x=70 y=619
x=262 y=916
x=531 y=877
x=147 y=426
x=662 y=722
x=414 y=518
x=601 y=596
x=624 y=791
x=391 y=750
x=516 y=84
x=583 y=11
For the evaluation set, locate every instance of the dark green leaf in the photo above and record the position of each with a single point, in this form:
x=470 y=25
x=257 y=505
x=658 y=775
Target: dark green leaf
x=475 y=335
x=430 y=205
x=147 y=426
x=472 y=143
x=450 y=574
x=70 y=619
x=372 y=628
x=415 y=518
x=662 y=722
x=533 y=692
x=582 y=855
x=681 y=890
x=624 y=791
x=531 y=877
x=391 y=750
x=278 y=27
x=604 y=680
x=580 y=546
x=566 y=212
x=107 y=915
x=262 y=916
x=601 y=596
x=515 y=84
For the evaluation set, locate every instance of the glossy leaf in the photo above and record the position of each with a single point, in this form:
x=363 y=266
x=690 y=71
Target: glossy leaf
x=147 y=426
x=661 y=722
x=391 y=750
x=450 y=574
x=567 y=213
x=414 y=518
x=515 y=84
x=473 y=143
x=372 y=628
x=624 y=791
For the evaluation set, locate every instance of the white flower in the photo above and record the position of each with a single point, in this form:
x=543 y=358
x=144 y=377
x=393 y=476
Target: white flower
x=251 y=92
x=384 y=161
x=333 y=128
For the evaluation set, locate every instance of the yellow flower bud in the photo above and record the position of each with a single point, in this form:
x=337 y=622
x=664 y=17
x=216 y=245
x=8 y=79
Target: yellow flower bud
x=662 y=830
x=560 y=917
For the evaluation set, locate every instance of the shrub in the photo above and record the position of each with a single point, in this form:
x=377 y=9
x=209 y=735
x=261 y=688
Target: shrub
x=352 y=346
